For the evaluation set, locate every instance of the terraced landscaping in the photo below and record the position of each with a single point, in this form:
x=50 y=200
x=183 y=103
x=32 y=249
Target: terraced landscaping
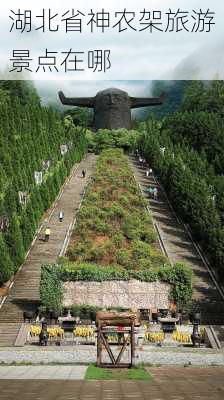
x=113 y=226
x=114 y=238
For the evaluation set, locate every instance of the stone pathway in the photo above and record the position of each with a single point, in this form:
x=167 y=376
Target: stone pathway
x=166 y=384
x=24 y=294
x=87 y=354
x=65 y=372
x=62 y=372
x=179 y=247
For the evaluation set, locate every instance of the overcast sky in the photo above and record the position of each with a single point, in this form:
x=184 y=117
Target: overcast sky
x=49 y=90
x=134 y=55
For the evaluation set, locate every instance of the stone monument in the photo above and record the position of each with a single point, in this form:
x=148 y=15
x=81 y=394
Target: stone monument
x=112 y=107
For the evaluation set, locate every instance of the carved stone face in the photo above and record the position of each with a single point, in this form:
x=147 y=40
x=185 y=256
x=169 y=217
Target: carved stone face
x=112 y=98
x=112 y=109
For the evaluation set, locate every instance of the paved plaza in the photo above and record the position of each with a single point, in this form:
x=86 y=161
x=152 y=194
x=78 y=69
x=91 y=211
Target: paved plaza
x=167 y=383
x=61 y=372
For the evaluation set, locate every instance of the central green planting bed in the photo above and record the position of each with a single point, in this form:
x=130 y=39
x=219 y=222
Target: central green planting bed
x=114 y=238
x=113 y=226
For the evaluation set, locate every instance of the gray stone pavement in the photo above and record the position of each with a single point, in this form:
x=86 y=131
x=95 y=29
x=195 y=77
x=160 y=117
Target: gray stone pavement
x=87 y=354
x=63 y=372
x=173 y=383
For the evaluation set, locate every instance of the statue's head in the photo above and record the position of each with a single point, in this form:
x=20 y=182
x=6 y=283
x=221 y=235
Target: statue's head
x=113 y=107
x=111 y=98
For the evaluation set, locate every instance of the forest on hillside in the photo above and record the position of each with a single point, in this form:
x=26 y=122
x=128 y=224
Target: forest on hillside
x=37 y=150
x=184 y=144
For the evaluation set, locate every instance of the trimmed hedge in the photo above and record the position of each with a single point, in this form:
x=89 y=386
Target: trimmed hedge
x=51 y=290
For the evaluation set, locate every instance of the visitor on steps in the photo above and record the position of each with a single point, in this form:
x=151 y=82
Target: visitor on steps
x=83 y=173
x=155 y=193
x=150 y=191
x=61 y=216
x=47 y=234
x=148 y=172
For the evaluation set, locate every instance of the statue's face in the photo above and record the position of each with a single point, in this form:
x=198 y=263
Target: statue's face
x=112 y=110
x=113 y=100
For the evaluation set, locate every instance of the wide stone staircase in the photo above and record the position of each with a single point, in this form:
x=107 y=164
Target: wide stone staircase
x=24 y=294
x=179 y=247
x=219 y=330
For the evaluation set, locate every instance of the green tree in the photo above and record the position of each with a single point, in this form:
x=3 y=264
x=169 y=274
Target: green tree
x=14 y=241
x=6 y=265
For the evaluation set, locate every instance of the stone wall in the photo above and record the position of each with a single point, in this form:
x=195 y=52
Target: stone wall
x=127 y=294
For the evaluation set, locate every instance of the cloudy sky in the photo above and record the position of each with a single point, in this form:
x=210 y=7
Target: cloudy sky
x=49 y=90
x=134 y=55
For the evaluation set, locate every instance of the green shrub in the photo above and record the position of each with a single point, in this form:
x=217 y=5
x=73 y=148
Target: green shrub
x=96 y=254
x=101 y=227
x=124 y=200
x=180 y=276
x=79 y=250
x=145 y=264
x=91 y=272
x=51 y=292
x=77 y=309
x=148 y=235
x=116 y=211
x=141 y=250
x=118 y=240
x=123 y=257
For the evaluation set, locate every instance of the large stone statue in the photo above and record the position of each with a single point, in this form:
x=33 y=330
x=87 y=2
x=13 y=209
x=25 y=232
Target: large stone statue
x=112 y=107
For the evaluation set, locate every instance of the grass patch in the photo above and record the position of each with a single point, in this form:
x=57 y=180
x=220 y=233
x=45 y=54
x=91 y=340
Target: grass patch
x=134 y=373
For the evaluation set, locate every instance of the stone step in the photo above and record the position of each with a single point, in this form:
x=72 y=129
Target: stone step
x=8 y=333
x=24 y=294
x=206 y=297
x=219 y=330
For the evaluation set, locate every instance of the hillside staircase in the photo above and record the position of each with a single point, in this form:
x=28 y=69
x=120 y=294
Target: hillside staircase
x=24 y=294
x=178 y=246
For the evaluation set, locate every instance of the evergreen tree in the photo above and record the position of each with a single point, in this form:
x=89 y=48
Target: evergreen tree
x=30 y=134
x=6 y=265
x=14 y=241
x=27 y=230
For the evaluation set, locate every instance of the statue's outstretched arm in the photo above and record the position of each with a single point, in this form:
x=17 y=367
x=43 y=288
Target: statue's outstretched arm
x=137 y=102
x=77 y=101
